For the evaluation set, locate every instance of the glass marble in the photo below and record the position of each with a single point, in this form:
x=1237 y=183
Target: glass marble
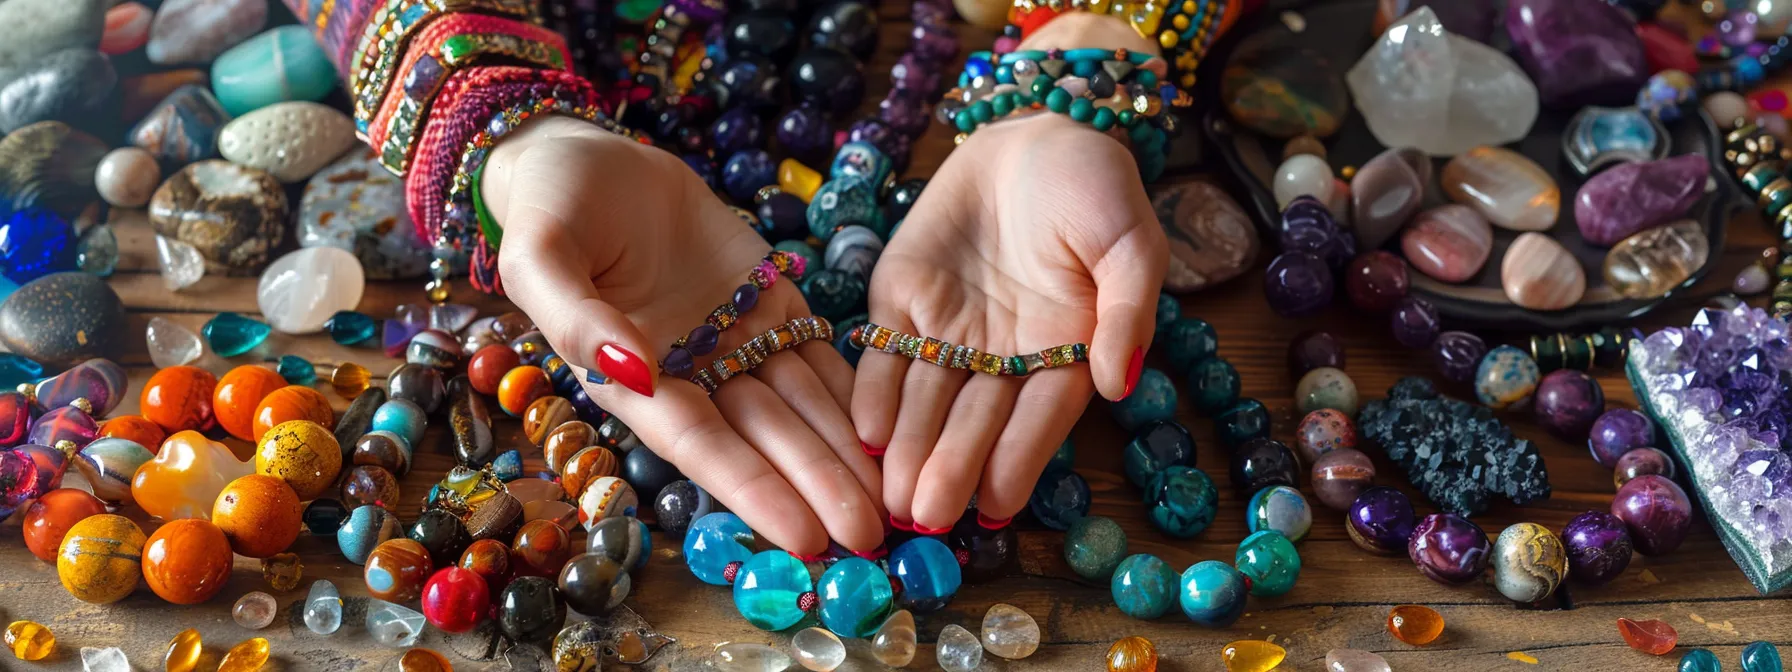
x=530 y=610
x=894 y=642
x=1449 y=548
x=1506 y=377
x=1212 y=594
x=186 y=561
x=1132 y=654
x=747 y=657
x=594 y=584
x=607 y=497
x=184 y=479
x=817 y=649
x=541 y=548
x=323 y=608
x=296 y=370
x=1282 y=509
x=1009 y=632
x=1326 y=387
x=1250 y=655
x=1656 y=512
x=302 y=453
x=1261 y=463
x=521 y=386
x=397 y=570
x=1619 y=431
x=283 y=571
x=1381 y=520
x=929 y=573
x=366 y=485
x=679 y=504
x=1598 y=547
x=109 y=659
x=1269 y=560
x=856 y=597
x=1059 y=498
x=1652 y=637
x=420 y=385
x=1144 y=586
x=957 y=650
x=716 y=541
x=230 y=334
x=624 y=539
x=28 y=640
x=393 y=625
x=1094 y=546
x=1415 y=624
x=1323 y=431
x=1246 y=420
x=1213 y=385
x=455 y=599
x=248 y=655
x=768 y=587
x=48 y=519
x=1156 y=446
x=179 y=398
x=1700 y=660
x=254 y=610
x=1183 y=501
x=1340 y=476
x=1642 y=462
x=403 y=418
x=324 y=516
x=1153 y=399
x=101 y=558
x=1760 y=656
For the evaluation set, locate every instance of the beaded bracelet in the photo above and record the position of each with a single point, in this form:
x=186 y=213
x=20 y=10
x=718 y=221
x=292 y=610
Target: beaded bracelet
x=754 y=352
x=384 y=37
x=940 y=353
x=702 y=340
x=1185 y=28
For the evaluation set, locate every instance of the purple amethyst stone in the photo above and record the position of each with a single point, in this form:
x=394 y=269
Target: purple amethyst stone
x=1381 y=520
x=745 y=298
x=1415 y=322
x=1449 y=549
x=1619 y=431
x=746 y=172
x=678 y=363
x=1297 y=284
x=1633 y=197
x=1308 y=226
x=804 y=131
x=1567 y=402
x=736 y=130
x=1598 y=547
x=1313 y=349
x=1655 y=511
x=702 y=340
x=1458 y=355
x=1577 y=52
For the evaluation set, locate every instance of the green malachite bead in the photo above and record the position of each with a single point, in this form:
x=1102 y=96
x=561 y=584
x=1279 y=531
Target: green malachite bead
x=1018 y=366
x=1058 y=101
x=1104 y=119
x=964 y=121
x=1043 y=86
x=1082 y=110
x=982 y=111
x=1002 y=104
x=1270 y=561
x=1128 y=118
x=1147 y=78
x=296 y=370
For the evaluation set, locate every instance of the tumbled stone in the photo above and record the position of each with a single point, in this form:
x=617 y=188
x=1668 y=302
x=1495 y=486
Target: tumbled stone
x=1448 y=242
x=1628 y=198
x=1539 y=274
x=357 y=205
x=180 y=264
x=1578 y=53
x=66 y=85
x=957 y=650
x=63 y=319
x=284 y=63
x=127 y=177
x=1211 y=238
x=290 y=140
x=170 y=343
x=1386 y=192
x=232 y=214
x=1009 y=632
x=183 y=128
x=195 y=31
x=48 y=165
x=138 y=94
x=1653 y=262
x=1355 y=660
x=127 y=28
x=1511 y=191
x=38 y=28
x=301 y=290
x=1283 y=90
x=1421 y=87
x=1473 y=19
x=1304 y=175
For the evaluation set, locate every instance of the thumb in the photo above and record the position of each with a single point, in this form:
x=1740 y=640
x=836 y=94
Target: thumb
x=1128 y=279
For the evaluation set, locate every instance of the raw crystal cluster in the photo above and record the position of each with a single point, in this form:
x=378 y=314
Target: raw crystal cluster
x=1722 y=387
x=1455 y=452
x=1422 y=87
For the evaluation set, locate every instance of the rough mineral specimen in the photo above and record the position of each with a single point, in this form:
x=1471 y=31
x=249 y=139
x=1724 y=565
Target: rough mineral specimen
x=1455 y=452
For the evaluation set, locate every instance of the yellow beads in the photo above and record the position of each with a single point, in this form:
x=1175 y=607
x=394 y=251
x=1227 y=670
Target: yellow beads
x=423 y=660
x=283 y=571
x=183 y=652
x=29 y=641
x=247 y=656
x=1250 y=655
x=798 y=180
x=351 y=379
x=1132 y=654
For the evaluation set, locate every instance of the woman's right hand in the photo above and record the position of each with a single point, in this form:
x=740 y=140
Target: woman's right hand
x=616 y=249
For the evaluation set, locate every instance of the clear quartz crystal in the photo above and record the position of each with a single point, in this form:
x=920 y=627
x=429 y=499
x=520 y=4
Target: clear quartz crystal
x=817 y=649
x=180 y=262
x=957 y=650
x=1009 y=632
x=894 y=642
x=393 y=625
x=254 y=610
x=1420 y=86
x=109 y=659
x=171 y=344
x=747 y=657
x=323 y=608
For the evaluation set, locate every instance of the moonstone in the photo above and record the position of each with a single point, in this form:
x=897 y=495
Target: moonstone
x=1652 y=262
x=171 y=344
x=1511 y=191
x=1009 y=632
x=1304 y=175
x=1448 y=242
x=748 y=657
x=290 y=140
x=817 y=649
x=1539 y=274
x=1386 y=192
x=1580 y=53
x=300 y=291
x=894 y=642
x=180 y=263
x=1628 y=198
x=195 y=31
x=1419 y=86
x=127 y=177
x=957 y=650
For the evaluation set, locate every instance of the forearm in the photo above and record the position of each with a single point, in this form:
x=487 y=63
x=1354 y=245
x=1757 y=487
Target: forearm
x=1082 y=30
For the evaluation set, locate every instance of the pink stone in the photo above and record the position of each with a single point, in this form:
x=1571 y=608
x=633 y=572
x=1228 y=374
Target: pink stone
x=1539 y=274
x=1628 y=198
x=1449 y=243
x=127 y=28
x=196 y=31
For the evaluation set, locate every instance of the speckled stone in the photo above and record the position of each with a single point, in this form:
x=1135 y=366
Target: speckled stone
x=233 y=215
x=356 y=205
x=290 y=140
x=1212 y=240
x=63 y=319
x=1326 y=387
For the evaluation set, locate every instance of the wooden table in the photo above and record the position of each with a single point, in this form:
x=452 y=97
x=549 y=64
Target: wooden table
x=1341 y=600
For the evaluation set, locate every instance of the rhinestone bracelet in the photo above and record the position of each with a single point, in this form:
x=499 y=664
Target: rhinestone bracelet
x=940 y=353
x=754 y=352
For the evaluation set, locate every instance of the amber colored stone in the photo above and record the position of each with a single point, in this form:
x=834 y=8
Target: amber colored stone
x=237 y=396
x=29 y=641
x=423 y=660
x=489 y=558
x=397 y=570
x=183 y=652
x=283 y=571
x=49 y=518
x=543 y=415
x=135 y=428
x=590 y=464
x=489 y=364
x=187 y=561
x=798 y=180
x=179 y=398
x=1414 y=624
x=259 y=514
x=566 y=441
x=293 y=402
x=1132 y=654
x=101 y=559
x=1652 y=637
x=521 y=386
x=541 y=548
x=350 y=380
x=247 y=656
x=1250 y=655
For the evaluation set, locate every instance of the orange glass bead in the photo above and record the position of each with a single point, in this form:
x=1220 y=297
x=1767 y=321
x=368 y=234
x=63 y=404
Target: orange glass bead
x=521 y=387
x=239 y=393
x=350 y=380
x=179 y=398
x=48 y=519
x=1132 y=654
x=423 y=660
x=29 y=641
x=565 y=441
x=259 y=514
x=1652 y=637
x=798 y=180
x=183 y=652
x=1414 y=624
x=590 y=464
x=543 y=415
x=247 y=656
x=293 y=402
x=1250 y=655
x=303 y=453
x=135 y=428
x=187 y=561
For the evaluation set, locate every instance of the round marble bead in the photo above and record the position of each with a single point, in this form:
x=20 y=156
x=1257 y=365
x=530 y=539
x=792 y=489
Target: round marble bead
x=100 y=558
x=1059 y=498
x=541 y=547
x=1342 y=475
x=1094 y=546
x=1326 y=387
x=1323 y=431
x=1381 y=520
x=928 y=571
x=1506 y=377
x=1457 y=355
x=1261 y=463
x=366 y=528
x=855 y=597
x=1415 y=322
x=1213 y=385
x=1144 y=586
x=1280 y=508
x=1642 y=462
x=1212 y=594
x=1598 y=547
x=1313 y=349
x=768 y=588
x=423 y=386
x=530 y=610
x=1246 y=420
x=1567 y=403
x=1618 y=431
x=714 y=542
x=1270 y=561
x=1183 y=501
x=127 y=177
x=1153 y=399
x=1529 y=562
x=1157 y=446
x=1303 y=175
x=594 y=584
x=1376 y=280
x=1297 y=284
x=1449 y=549
x=1655 y=511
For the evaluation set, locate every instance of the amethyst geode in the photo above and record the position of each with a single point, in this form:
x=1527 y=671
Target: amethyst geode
x=1455 y=452
x=1579 y=52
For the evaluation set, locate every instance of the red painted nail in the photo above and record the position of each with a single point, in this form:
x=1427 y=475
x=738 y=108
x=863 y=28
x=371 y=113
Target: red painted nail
x=871 y=450
x=901 y=524
x=989 y=523
x=811 y=558
x=922 y=530
x=622 y=366
x=873 y=554
x=1133 y=369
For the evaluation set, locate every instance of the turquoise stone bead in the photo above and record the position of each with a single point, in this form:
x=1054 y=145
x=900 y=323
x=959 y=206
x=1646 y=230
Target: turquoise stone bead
x=1189 y=341
x=508 y=466
x=1157 y=446
x=1143 y=586
x=230 y=334
x=1094 y=546
x=17 y=369
x=348 y=327
x=1248 y=419
x=855 y=597
x=1065 y=458
x=1700 y=660
x=1168 y=311
x=1270 y=561
x=929 y=573
x=1761 y=657
x=1152 y=399
x=844 y=202
x=799 y=248
x=1183 y=501
x=1213 y=385
x=402 y=417
x=1506 y=376
x=861 y=160
x=1059 y=498
x=714 y=542
x=1213 y=594
x=296 y=370
x=281 y=64
x=768 y=588
x=835 y=294
x=1282 y=509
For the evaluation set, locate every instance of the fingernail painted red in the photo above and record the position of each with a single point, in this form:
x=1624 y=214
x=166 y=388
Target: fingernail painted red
x=1133 y=369
x=622 y=366
x=873 y=554
x=871 y=450
x=901 y=524
x=922 y=530
x=989 y=523
x=811 y=558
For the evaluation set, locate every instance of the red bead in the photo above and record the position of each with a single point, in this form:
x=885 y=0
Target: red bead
x=1375 y=281
x=1664 y=49
x=48 y=519
x=455 y=599
x=487 y=367
x=1769 y=100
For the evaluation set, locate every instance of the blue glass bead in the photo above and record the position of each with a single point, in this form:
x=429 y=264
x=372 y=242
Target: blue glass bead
x=1152 y=399
x=1248 y=419
x=1213 y=385
x=1700 y=660
x=1168 y=311
x=746 y=172
x=1761 y=657
x=844 y=202
x=804 y=131
x=16 y=369
x=714 y=542
x=402 y=417
x=1059 y=498
x=230 y=334
x=1183 y=501
x=768 y=588
x=1094 y=546
x=977 y=67
x=1269 y=560
x=735 y=130
x=1064 y=458
x=1157 y=446
x=348 y=327
x=861 y=160
x=1213 y=594
x=1144 y=586
x=508 y=466
x=929 y=573
x=296 y=370
x=855 y=597
x=1749 y=70
x=835 y=294
x=1282 y=509
x=35 y=242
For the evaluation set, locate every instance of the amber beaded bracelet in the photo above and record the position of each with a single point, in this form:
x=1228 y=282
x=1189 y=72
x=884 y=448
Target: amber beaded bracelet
x=754 y=352
x=940 y=353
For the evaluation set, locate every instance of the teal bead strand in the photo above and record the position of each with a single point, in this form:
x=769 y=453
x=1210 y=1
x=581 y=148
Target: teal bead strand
x=1144 y=586
x=770 y=588
x=713 y=544
x=855 y=597
x=1189 y=341
x=1213 y=594
x=1213 y=385
x=1270 y=561
x=1183 y=501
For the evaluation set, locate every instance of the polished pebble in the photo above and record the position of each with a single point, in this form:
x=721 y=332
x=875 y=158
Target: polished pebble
x=1250 y=655
x=254 y=610
x=957 y=650
x=1414 y=624
x=818 y=650
x=1355 y=660
x=1009 y=632
x=894 y=642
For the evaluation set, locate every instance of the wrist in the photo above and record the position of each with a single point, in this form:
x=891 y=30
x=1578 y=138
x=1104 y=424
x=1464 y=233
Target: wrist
x=555 y=134
x=1080 y=30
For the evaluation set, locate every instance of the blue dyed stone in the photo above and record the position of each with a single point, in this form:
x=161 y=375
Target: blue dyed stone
x=746 y=172
x=855 y=597
x=508 y=466
x=1183 y=501
x=1059 y=498
x=296 y=370
x=1270 y=561
x=1152 y=399
x=1157 y=446
x=768 y=587
x=833 y=294
x=1168 y=311
x=845 y=202
x=1213 y=594
x=714 y=542
x=1190 y=340
x=367 y=526
x=929 y=573
x=230 y=334
x=348 y=327
x=1144 y=586
x=1248 y=419
x=1761 y=657
x=16 y=369
x=284 y=63
x=1506 y=377
x=402 y=417
x=35 y=242
x=1623 y=131
x=861 y=160
x=1064 y=458
x=1700 y=660
x=1213 y=385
